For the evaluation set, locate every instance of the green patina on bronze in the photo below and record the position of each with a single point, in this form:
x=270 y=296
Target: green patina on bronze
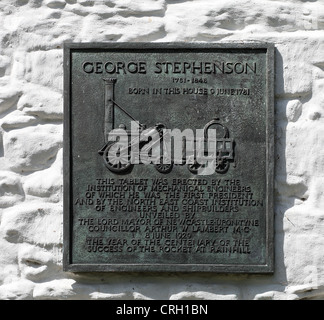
x=169 y=216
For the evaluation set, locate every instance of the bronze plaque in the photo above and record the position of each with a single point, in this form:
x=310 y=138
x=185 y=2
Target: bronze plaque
x=168 y=157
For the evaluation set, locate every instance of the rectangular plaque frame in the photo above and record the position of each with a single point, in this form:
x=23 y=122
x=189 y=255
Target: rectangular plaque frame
x=232 y=68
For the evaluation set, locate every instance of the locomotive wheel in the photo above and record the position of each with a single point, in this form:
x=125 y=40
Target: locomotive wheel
x=193 y=167
x=116 y=161
x=164 y=167
x=222 y=165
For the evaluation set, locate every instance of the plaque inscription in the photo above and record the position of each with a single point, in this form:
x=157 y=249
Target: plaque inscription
x=168 y=157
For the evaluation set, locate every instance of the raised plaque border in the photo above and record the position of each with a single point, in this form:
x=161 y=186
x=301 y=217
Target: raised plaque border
x=67 y=206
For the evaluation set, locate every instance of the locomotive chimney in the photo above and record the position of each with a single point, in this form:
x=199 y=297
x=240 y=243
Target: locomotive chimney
x=109 y=106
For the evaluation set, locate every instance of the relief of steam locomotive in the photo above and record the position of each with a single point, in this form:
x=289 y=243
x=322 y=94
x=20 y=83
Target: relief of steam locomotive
x=122 y=162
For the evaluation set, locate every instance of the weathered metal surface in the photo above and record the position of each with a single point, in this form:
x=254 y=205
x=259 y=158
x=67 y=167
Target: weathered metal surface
x=147 y=217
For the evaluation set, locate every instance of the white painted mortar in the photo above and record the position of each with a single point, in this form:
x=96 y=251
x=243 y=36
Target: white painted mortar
x=32 y=33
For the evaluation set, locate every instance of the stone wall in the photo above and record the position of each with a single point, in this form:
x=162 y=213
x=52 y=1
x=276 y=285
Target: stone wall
x=32 y=33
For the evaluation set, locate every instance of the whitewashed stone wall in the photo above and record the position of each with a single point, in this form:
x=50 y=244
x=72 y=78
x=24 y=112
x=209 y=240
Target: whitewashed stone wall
x=32 y=33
